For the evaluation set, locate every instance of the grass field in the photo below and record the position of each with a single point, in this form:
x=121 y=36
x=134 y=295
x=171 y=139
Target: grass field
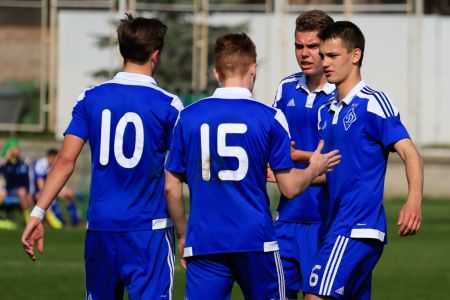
x=410 y=268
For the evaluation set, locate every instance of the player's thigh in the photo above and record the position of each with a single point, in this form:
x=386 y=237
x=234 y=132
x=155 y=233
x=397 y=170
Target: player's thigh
x=209 y=277
x=343 y=268
x=103 y=278
x=148 y=262
x=288 y=241
x=260 y=275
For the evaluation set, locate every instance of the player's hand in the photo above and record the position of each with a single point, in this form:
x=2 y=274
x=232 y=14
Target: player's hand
x=270 y=175
x=409 y=219
x=324 y=162
x=34 y=232
x=181 y=250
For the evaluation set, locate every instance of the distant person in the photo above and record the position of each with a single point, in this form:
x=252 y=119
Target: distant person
x=221 y=147
x=128 y=122
x=5 y=223
x=300 y=221
x=41 y=167
x=365 y=126
x=15 y=173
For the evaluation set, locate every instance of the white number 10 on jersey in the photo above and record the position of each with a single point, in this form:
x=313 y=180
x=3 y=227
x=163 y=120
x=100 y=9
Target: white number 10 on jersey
x=129 y=117
x=224 y=151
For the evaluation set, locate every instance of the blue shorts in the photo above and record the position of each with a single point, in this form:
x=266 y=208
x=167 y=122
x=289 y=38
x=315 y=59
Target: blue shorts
x=343 y=268
x=259 y=274
x=140 y=261
x=299 y=243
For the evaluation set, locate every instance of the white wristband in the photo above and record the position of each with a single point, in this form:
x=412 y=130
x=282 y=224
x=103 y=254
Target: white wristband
x=37 y=212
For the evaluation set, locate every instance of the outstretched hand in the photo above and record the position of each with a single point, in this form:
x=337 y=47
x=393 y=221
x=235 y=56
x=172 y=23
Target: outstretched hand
x=34 y=232
x=324 y=163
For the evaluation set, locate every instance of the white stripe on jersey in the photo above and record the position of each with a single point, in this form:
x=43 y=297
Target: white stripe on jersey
x=280 y=117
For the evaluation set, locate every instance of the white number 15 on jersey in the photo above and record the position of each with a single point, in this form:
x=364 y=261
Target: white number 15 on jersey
x=224 y=151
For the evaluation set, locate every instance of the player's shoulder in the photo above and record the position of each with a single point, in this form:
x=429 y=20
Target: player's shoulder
x=378 y=102
x=292 y=79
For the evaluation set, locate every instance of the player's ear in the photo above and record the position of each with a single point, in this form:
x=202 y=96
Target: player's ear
x=216 y=74
x=356 y=56
x=155 y=56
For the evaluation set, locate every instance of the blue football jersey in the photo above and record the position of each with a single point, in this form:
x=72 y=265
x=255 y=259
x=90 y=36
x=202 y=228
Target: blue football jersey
x=364 y=126
x=128 y=122
x=223 y=144
x=300 y=106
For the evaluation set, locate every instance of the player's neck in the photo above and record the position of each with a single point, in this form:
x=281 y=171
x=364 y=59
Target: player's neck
x=237 y=81
x=144 y=69
x=316 y=82
x=344 y=87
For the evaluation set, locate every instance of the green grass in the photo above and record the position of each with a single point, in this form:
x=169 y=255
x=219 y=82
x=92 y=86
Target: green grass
x=411 y=268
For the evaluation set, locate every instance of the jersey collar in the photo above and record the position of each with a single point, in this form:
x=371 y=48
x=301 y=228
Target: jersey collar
x=233 y=93
x=135 y=77
x=327 y=88
x=348 y=99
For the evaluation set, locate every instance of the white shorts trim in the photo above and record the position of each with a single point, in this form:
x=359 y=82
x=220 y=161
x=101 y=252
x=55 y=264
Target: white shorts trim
x=187 y=252
x=271 y=246
x=368 y=234
x=161 y=223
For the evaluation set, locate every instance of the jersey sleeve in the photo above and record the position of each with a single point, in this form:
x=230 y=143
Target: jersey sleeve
x=174 y=111
x=280 y=151
x=176 y=162
x=78 y=126
x=384 y=124
x=278 y=101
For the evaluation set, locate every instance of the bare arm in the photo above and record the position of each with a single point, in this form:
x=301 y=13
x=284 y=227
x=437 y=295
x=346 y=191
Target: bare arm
x=410 y=216
x=300 y=155
x=292 y=182
x=57 y=178
x=175 y=204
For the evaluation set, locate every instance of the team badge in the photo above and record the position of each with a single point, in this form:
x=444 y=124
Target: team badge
x=349 y=118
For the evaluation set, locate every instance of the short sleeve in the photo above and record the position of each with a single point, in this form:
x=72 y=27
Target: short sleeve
x=78 y=126
x=386 y=131
x=176 y=162
x=174 y=111
x=278 y=101
x=280 y=151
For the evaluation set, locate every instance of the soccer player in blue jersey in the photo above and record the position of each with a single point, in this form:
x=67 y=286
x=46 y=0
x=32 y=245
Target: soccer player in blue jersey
x=128 y=122
x=221 y=148
x=299 y=225
x=365 y=126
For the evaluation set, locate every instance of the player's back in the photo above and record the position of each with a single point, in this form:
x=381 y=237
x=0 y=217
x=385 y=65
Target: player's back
x=128 y=122
x=226 y=144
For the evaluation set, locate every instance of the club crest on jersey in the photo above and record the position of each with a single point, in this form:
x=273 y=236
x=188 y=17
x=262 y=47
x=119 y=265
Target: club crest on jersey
x=349 y=118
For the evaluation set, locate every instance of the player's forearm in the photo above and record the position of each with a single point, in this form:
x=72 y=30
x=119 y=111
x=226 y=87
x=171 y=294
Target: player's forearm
x=413 y=168
x=294 y=181
x=175 y=203
x=414 y=175
x=56 y=180
x=301 y=156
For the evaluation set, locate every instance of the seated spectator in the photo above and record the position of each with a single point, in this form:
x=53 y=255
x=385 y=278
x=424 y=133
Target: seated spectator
x=40 y=170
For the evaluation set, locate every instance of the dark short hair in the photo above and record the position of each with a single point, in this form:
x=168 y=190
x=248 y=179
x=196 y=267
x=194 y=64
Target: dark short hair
x=234 y=53
x=52 y=152
x=313 y=20
x=139 y=38
x=348 y=32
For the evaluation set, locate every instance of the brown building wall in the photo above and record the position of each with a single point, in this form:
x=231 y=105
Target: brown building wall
x=20 y=52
